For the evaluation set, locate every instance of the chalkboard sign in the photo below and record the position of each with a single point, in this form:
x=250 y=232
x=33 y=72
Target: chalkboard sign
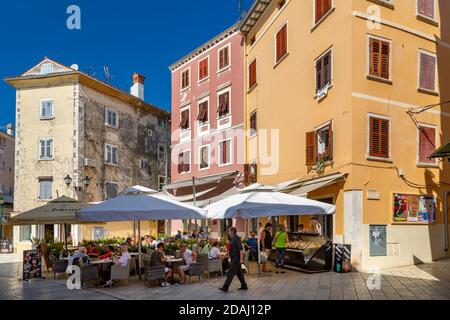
x=378 y=243
x=31 y=264
x=6 y=246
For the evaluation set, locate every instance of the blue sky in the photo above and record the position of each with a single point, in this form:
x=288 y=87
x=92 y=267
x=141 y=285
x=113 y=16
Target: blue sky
x=143 y=36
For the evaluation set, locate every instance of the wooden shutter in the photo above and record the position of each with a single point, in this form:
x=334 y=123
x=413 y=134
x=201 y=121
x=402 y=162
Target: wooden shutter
x=203 y=66
x=427 y=144
x=281 y=45
x=311 y=148
x=379 y=58
x=322 y=8
x=385 y=51
x=379 y=137
x=326 y=72
x=330 y=142
x=203 y=112
x=224 y=58
x=427 y=72
x=246 y=174
x=224 y=152
x=252 y=74
x=184 y=124
x=426 y=8
x=319 y=75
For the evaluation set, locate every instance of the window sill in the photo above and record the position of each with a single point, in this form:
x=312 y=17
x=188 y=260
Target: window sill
x=252 y=88
x=281 y=60
x=204 y=169
x=225 y=164
x=223 y=116
x=110 y=126
x=328 y=163
x=378 y=79
x=185 y=89
x=430 y=92
x=111 y=164
x=427 y=20
x=47 y=118
x=227 y=68
x=44 y=200
x=320 y=98
x=379 y=159
x=252 y=136
x=427 y=165
x=203 y=80
x=45 y=160
x=383 y=3
x=316 y=25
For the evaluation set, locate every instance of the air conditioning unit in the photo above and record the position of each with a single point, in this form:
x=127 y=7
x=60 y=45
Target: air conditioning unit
x=89 y=162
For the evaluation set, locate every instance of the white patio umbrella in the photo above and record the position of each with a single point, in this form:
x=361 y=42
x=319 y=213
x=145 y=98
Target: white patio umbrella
x=137 y=204
x=262 y=201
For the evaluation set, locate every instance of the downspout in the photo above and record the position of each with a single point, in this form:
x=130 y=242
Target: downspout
x=446 y=194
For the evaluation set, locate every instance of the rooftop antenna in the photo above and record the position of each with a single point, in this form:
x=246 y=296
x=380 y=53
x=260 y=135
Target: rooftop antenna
x=240 y=6
x=107 y=74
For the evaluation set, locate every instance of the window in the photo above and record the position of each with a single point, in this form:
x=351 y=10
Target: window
x=322 y=8
x=427 y=72
x=46 y=109
x=225 y=152
x=426 y=8
x=46 y=149
x=252 y=77
x=111 y=190
x=46 y=68
x=379 y=137
x=184 y=162
x=319 y=145
x=250 y=174
x=143 y=165
x=161 y=182
x=162 y=123
x=161 y=152
x=427 y=144
x=224 y=104
x=45 y=188
x=379 y=58
x=203 y=112
x=185 y=79
x=323 y=72
x=112 y=155
x=99 y=233
x=185 y=121
x=224 y=58
x=203 y=69
x=281 y=43
x=25 y=233
x=204 y=157
x=2 y=143
x=253 y=124
x=111 y=118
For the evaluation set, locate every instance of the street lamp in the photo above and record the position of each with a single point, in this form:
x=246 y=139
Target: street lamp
x=87 y=181
x=68 y=180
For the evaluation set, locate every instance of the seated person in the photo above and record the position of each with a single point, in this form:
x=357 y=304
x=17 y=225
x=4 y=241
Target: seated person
x=153 y=242
x=129 y=242
x=92 y=251
x=185 y=236
x=215 y=254
x=80 y=255
x=145 y=240
x=206 y=248
x=202 y=235
x=188 y=258
x=108 y=254
x=194 y=234
x=178 y=236
x=301 y=228
x=252 y=243
x=121 y=261
x=158 y=259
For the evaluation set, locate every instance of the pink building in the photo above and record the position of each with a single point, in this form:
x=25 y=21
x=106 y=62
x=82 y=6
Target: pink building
x=7 y=147
x=208 y=123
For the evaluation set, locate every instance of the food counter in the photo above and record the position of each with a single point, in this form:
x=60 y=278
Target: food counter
x=308 y=253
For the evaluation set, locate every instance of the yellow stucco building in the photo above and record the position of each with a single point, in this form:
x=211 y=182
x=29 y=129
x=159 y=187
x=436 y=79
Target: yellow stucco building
x=334 y=106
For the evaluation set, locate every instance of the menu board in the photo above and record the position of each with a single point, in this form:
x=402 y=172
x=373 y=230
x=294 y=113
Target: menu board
x=414 y=208
x=31 y=264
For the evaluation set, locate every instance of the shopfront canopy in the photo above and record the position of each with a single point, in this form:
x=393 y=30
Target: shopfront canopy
x=442 y=152
x=59 y=211
x=139 y=206
x=260 y=201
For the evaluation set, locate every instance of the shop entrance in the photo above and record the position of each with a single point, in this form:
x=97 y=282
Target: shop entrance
x=326 y=220
x=49 y=232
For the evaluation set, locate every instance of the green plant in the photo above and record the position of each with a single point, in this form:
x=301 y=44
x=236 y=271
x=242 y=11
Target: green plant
x=36 y=241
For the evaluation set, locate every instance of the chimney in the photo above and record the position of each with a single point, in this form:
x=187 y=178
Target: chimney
x=137 y=89
x=10 y=129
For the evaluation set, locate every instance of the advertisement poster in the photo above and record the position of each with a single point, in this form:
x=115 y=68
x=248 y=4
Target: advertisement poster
x=378 y=243
x=414 y=208
x=31 y=264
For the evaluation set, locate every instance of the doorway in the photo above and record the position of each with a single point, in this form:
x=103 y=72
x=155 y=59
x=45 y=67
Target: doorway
x=326 y=221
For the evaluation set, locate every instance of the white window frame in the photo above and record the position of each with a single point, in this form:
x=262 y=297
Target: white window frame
x=187 y=107
x=436 y=137
x=314 y=23
x=220 y=152
x=39 y=190
x=209 y=69
x=190 y=161
x=159 y=151
x=368 y=75
x=41 y=157
x=419 y=15
x=106 y=155
x=368 y=156
x=116 y=126
x=219 y=93
x=159 y=182
x=436 y=78
x=328 y=124
x=199 y=102
x=110 y=182
x=200 y=157
x=229 y=58
x=330 y=49
x=275 y=62
x=253 y=134
x=52 y=116
x=181 y=79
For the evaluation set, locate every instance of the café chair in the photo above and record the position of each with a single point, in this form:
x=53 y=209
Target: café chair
x=195 y=270
x=89 y=273
x=153 y=273
x=120 y=273
x=59 y=266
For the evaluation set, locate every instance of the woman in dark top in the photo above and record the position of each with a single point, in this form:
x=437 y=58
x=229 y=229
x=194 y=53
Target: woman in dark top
x=266 y=245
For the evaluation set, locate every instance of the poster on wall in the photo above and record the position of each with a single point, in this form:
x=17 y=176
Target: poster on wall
x=414 y=208
x=378 y=243
x=31 y=264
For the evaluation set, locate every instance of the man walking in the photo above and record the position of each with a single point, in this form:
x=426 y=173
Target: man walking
x=237 y=259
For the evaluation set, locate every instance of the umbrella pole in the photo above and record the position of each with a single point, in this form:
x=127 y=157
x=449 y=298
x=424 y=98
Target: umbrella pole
x=259 y=250
x=65 y=236
x=139 y=248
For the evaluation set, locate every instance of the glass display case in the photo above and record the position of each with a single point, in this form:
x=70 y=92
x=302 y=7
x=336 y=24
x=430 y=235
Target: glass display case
x=308 y=252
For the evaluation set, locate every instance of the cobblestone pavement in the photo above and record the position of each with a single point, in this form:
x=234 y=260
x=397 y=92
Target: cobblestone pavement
x=427 y=281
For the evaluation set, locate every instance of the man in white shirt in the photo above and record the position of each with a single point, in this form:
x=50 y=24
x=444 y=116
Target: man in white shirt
x=122 y=261
x=188 y=258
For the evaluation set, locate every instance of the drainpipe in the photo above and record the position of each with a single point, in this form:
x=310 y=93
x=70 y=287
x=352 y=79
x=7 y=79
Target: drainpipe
x=446 y=194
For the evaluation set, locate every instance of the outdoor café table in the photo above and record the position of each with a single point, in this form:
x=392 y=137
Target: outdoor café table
x=102 y=266
x=173 y=262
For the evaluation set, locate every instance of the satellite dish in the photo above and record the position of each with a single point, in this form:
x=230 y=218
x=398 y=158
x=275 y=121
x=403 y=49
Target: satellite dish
x=74 y=66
